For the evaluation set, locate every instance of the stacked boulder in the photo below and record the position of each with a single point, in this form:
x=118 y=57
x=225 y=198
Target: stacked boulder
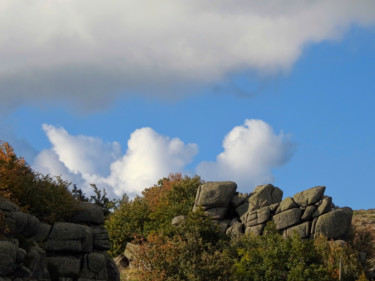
x=69 y=251
x=308 y=212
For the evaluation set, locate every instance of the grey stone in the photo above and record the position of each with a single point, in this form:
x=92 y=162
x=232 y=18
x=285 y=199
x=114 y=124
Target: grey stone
x=235 y=230
x=303 y=230
x=217 y=213
x=96 y=262
x=8 y=255
x=287 y=218
x=101 y=238
x=42 y=232
x=313 y=224
x=20 y=257
x=70 y=237
x=258 y=217
x=335 y=224
x=94 y=267
x=112 y=270
x=25 y=224
x=121 y=262
x=130 y=251
x=309 y=196
x=88 y=213
x=36 y=261
x=179 y=220
x=63 y=266
x=215 y=194
x=307 y=214
x=6 y=205
x=286 y=204
x=324 y=207
x=238 y=199
x=264 y=195
x=222 y=225
x=242 y=210
x=273 y=207
x=257 y=229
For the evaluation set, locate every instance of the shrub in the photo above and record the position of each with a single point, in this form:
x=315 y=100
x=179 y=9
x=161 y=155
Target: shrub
x=193 y=253
x=273 y=257
x=172 y=196
x=335 y=253
x=126 y=222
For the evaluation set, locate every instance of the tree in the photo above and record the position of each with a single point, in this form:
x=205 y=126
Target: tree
x=47 y=198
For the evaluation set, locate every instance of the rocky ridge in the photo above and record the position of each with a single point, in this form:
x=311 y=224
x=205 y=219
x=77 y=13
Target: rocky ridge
x=308 y=212
x=69 y=251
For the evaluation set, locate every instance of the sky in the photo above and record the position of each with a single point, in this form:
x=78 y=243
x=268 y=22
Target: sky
x=123 y=93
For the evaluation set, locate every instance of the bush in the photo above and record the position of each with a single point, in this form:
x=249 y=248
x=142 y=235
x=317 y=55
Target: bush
x=153 y=212
x=273 y=257
x=126 y=222
x=193 y=253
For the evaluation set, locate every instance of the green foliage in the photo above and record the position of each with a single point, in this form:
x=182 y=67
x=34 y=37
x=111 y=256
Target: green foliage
x=153 y=212
x=173 y=196
x=333 y=253
x=194 y=252
x=271 y=257
x=126 y=222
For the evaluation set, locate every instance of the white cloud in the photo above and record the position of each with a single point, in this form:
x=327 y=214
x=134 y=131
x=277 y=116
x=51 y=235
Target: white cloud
x=84 y=160
x=250 y=151
x=90 y=51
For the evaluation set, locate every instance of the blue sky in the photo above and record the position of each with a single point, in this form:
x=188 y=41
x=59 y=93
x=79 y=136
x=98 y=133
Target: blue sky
x=246 y=92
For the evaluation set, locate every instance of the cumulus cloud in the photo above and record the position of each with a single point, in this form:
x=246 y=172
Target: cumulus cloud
x=84 y=160
x=250 y=151
x=91 y=51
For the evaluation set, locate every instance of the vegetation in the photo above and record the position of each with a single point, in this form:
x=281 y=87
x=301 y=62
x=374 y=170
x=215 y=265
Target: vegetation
x=194 y=250
x=46 y=198
x=49 y=199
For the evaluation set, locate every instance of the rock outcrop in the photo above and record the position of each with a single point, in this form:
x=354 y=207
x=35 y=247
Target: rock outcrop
x=307 y=213
x=69 y=251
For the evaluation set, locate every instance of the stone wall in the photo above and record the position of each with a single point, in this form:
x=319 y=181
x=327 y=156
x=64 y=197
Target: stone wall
x=64 y=251
x=308 y=212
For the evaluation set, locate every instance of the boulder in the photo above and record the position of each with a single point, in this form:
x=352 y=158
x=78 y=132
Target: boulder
x=257 y=229
x=308 y=213
x=238 y=199
x=335 y=224
x=112 y=270
x=101 y=238
x=88 y=214
x=217 y=213
x=42 y=232
x=6 y=205
x=94 y=267
x=8 y=255
x=303 y=230
x=130 y=251
x=215 y=194
x=286 y=204
x=309 y=196
x=242 y=210
x=264 y=195
x=179 y=220
x=235 y=230
x=258 y=217
x=287 y=218
x=63 y=266
x=70 y=237
x=25 y=224
x=324 y=207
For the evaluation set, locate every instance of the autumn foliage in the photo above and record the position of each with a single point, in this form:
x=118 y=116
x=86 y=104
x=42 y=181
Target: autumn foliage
x=47 y=198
